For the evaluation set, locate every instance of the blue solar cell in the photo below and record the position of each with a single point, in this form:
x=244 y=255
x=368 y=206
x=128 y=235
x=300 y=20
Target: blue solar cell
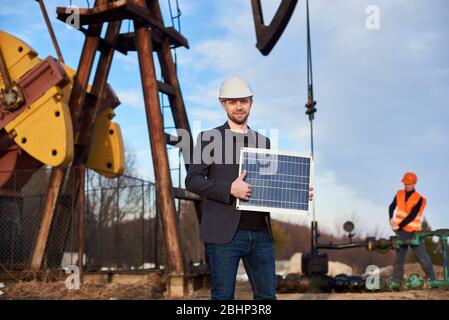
x=279 y=181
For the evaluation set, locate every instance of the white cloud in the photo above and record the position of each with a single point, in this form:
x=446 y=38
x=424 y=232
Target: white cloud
x=204 y=95
x=131 y=97
x=128 y=62
x=336 y=202
x=214 y=116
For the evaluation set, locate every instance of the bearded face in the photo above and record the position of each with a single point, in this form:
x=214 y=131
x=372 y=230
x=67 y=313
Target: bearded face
x=237 y=109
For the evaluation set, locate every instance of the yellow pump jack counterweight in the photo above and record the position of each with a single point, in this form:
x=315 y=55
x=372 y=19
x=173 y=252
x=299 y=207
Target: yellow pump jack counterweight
x=40 y=125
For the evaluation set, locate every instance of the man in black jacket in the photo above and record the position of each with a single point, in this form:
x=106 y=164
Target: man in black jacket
x=230 y=234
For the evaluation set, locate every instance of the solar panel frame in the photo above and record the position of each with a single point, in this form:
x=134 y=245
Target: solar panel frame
x=244 y=205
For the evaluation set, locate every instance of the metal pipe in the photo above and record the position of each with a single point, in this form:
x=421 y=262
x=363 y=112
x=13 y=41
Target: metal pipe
x=50 y=30
x=341 y=245
x=314 y=237
x=4 y=71
x=443 y=241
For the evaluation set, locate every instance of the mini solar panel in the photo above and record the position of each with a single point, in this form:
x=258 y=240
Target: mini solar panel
x=280 y=181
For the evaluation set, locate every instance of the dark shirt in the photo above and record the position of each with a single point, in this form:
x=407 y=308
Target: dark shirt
x=249 y=220
x=409 y=218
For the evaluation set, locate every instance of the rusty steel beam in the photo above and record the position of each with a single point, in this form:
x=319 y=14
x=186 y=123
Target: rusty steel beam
x=170 y=76
x=79 y=89
x=166 y=88
x=86 y=126
x=177 y=105
x=127 y=42
x=171 y=140
x=76 y=103
x=158 y=146
x=98 y=91
x=169 y=72
x=47 y=217
x=120 y=10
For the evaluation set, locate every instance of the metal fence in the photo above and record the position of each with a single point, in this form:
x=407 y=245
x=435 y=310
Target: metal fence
x=121 y=230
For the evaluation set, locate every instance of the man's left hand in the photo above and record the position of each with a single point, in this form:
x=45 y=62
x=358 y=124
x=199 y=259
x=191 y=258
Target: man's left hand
x=393 y=225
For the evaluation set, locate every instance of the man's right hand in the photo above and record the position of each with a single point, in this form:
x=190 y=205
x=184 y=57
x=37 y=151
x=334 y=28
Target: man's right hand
x=240 y=189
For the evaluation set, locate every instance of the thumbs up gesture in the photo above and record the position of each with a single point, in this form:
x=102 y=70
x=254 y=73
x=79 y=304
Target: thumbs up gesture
x=240 y=189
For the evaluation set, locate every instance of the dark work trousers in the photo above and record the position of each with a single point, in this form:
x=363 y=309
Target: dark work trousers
x=421 y=255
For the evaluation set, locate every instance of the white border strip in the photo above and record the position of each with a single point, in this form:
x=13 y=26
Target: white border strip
x=240 y=205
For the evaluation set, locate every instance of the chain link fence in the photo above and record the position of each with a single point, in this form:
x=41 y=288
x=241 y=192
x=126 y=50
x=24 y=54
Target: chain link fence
x=122 y=230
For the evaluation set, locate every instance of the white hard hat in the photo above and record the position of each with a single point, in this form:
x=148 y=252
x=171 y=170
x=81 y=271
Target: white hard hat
x=235 y=87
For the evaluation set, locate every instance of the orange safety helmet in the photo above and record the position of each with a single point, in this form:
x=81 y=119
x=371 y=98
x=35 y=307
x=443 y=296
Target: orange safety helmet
x=409 y=178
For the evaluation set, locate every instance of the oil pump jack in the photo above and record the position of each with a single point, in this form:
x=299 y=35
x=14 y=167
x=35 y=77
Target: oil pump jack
x=50 y=115
x=73 y=97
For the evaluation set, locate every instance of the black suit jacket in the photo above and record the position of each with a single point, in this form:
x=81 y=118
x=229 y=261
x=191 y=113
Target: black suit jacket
x=212 y=180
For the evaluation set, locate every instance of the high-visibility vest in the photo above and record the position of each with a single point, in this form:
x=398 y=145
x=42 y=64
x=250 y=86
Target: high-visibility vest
x=403 y=209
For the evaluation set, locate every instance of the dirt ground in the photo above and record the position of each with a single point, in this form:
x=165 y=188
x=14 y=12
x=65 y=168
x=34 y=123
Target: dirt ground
x=243 y=292
x=147 y=291
x=36 y=290
x=155 y=290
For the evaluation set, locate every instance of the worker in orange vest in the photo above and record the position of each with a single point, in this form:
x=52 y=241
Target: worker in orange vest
x=405 y=221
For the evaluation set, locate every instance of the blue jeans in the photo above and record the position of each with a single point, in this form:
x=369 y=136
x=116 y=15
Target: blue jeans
x=256 y=250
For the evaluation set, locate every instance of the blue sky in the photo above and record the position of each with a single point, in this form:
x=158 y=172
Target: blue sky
x=382 y=94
